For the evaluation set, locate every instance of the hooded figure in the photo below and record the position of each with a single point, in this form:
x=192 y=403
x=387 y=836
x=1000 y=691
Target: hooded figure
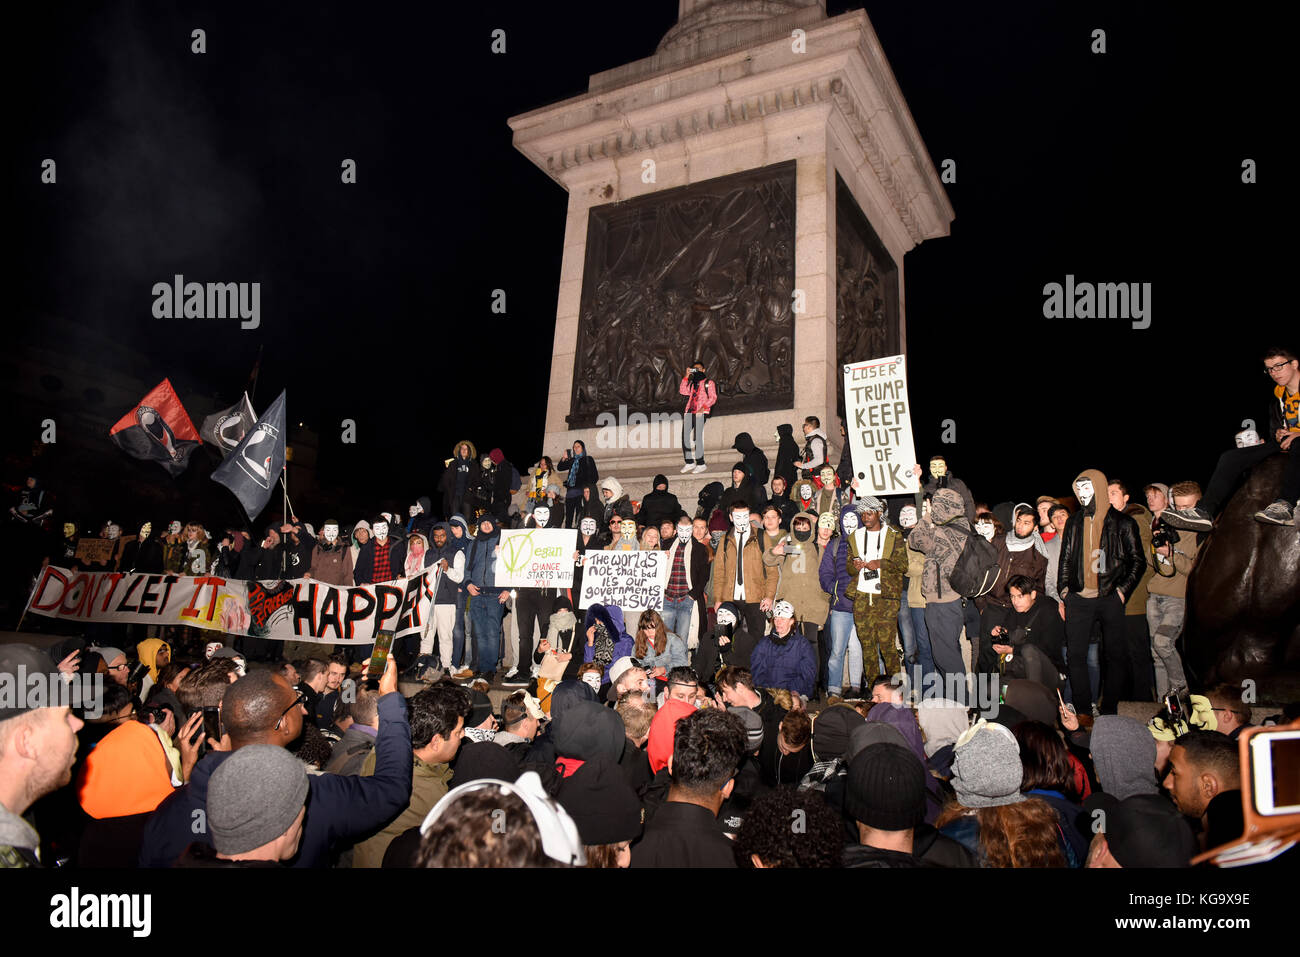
x=708 y=499
x=1124 y=756
x=459 y=477
x=148 y=653
x=585 y=731
x=1100 y=566
x=787 y=453
x=380 y=561
x=145 y=554
x=660 y=505
x=616 y=502
x=422 y=520
x=567 y=695
x=331 y=559
x=728 y=644
x=742 y=490
x=418 y=556
x=609 y=642
x=755 y=459
x=941 y=536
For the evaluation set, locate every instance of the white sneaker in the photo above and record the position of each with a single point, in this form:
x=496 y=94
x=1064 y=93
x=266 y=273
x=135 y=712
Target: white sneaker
x=700 y=468
x=532 y=672
x=689 y=466
x=512 y=672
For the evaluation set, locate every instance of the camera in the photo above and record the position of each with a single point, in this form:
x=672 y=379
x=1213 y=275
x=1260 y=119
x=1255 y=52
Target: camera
x=870 y=574
x=1164 y=535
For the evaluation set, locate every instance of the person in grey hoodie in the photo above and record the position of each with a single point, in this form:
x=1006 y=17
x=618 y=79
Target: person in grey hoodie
x=1124 y=757
x=941 y=535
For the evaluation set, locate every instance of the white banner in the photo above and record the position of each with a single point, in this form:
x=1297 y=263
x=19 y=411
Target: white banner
x=299 y=610
x=879 y=422
x=536 y=558
x=631 y=580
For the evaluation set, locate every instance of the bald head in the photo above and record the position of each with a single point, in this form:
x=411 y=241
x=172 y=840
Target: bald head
x=254 y=704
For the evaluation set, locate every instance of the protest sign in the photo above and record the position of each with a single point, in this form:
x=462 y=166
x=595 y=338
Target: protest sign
x=628 y=579
x=879 y=422
x=297 y=610
x=536 y=558
x=95 y=549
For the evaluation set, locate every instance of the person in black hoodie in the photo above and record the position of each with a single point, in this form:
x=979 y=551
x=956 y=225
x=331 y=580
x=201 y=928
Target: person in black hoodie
x=707 y=501
x=755 y=458
x=742 y=490
x=787 y=453
x=728 y=645
x=660 y=505
x=144 y=554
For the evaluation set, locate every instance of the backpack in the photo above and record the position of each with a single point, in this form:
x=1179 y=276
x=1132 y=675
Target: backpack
x=976 y=570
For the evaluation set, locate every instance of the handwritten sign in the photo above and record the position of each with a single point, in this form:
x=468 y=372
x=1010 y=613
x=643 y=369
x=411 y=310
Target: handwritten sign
x=879 y=422
x=631 y=580
x=536 y=558
x=95 y=549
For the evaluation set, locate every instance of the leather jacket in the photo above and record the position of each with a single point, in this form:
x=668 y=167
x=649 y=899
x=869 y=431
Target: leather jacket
x=1120 y=543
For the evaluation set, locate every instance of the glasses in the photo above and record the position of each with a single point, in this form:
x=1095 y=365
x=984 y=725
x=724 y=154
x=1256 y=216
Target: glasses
x=1275 y=369
x=121 y=667
x=300 y=699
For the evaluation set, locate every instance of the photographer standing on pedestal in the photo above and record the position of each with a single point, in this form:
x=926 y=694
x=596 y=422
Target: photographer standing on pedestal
x=701 y=393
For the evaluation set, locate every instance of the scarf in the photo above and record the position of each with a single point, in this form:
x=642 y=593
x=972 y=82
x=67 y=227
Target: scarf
x=572 y=480
x=1016 y=544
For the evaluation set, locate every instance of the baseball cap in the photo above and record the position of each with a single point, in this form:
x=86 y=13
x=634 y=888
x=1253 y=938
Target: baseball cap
x=620 y=667
x=18 y=663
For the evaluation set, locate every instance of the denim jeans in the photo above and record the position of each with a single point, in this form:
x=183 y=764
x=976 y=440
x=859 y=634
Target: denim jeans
x=485 y=618
x=924 y=657
x=693 y=437
x=844 y=669
x=677 y=616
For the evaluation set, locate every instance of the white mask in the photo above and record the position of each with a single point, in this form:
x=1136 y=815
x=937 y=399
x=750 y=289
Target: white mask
x=740 y=520
x=683 y=532
x=542 y=514
x=1084 y=492
x=588 y=526
x=725 y=617
x=380 y=530
x=592 y=680
x=174 y=528
x=907 y=516
x=938 y=468
x=330 y=533
x=985 y=529
x=146 y=530
x=210 y=648
x=805 y=491
x=850 y=522
x=414 y=510
x=1248 y=438
x=112 y=531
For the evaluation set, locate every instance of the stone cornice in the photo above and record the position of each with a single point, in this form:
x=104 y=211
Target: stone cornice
x=844 y=70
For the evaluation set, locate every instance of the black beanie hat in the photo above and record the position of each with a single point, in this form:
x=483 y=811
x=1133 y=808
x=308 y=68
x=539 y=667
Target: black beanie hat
x=831 y=730
x=885 y=788
x=602 y=803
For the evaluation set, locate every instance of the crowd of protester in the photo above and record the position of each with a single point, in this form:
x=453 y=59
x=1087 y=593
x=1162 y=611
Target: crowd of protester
x=819 y=656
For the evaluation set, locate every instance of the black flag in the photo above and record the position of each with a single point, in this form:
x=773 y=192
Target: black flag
x=227 y=428
x=252 y=468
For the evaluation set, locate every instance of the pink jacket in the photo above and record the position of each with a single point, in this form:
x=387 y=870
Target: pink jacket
x=701 y=398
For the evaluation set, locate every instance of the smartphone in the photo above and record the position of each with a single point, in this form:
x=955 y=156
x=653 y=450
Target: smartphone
x=1275 y=763
x=211 y=724
x=378 y=659
x=1179 y=705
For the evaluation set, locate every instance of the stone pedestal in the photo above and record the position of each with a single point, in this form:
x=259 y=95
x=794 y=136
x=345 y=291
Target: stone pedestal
x=739 y=86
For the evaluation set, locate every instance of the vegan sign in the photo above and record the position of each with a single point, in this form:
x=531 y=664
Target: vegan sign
x=536 y=558
x=627 y=579
x=879 y=422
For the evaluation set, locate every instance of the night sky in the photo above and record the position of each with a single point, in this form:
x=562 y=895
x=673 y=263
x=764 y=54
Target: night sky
x=1122 y=167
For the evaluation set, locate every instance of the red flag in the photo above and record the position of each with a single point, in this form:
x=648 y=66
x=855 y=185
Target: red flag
x=158 y=430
